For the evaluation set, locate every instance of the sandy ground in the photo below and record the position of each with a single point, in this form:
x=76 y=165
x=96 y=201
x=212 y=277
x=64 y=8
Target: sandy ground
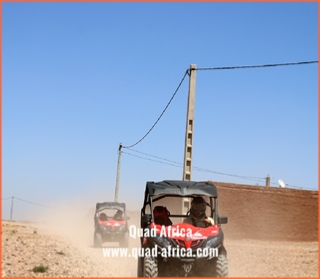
x=65 y=247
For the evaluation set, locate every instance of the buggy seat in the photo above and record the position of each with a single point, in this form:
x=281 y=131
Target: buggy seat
x=161 y=216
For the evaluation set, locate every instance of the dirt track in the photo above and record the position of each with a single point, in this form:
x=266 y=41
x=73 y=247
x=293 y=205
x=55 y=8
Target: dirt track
x=262 y=241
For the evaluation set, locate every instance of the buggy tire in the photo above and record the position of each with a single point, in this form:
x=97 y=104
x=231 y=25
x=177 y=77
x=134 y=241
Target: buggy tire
x=139 y=268
x=124 y=242
x=222 y=269
x=97 y=240
x=150 y=267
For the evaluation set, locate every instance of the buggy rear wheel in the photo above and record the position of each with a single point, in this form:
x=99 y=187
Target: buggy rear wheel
x=150 y=267
x=139 y=269
x=97 y=240
x=124 y=242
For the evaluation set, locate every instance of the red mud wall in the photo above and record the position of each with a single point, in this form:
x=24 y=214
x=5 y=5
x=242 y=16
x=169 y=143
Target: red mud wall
x=268 y=213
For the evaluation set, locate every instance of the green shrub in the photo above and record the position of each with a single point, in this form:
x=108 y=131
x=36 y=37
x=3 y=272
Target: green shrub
x=40 y=268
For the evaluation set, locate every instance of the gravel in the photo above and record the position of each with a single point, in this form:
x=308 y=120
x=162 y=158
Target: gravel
x=29 y=245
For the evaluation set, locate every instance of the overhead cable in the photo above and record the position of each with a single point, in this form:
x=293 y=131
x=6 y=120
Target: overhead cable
x=258 y=66
x=160 y=114
x=177 y=164
x=215 y=68
x=33 y=203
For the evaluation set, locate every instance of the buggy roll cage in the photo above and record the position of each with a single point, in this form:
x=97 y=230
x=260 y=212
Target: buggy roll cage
x=178 y=189
x=110 y=205
x=212 y=205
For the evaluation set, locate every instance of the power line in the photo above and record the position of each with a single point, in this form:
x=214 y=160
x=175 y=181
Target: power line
x=34 y=203
x=177 y=164
x=160 y=114
x=180 y=165
x=258 y=66
x=6 y=198
x=217 y=68
x=188 y=72
x=296 y=187
x=151 y=160
x=233 y=175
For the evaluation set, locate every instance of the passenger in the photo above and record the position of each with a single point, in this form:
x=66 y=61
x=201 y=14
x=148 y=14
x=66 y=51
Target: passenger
x=103 y=217
x=118 y=216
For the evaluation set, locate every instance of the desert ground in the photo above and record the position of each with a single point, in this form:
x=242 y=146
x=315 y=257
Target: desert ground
x=64 y=247
x=25 y=246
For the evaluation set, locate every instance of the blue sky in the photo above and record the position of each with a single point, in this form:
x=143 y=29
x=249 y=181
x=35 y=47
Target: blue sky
x=79 y=78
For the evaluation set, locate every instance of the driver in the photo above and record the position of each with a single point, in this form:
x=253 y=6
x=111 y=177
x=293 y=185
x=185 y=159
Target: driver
x=118 y=215
x=198 y=217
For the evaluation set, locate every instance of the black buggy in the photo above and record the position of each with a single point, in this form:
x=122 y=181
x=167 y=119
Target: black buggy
x=162 y=238
x=111 y=224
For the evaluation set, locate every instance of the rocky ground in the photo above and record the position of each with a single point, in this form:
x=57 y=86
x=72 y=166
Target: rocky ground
x=27 y=247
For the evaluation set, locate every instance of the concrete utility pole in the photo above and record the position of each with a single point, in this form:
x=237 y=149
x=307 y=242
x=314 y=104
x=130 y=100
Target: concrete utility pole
x=11 y=210
x=268 y=180
x=118 y=173
x=187 y=167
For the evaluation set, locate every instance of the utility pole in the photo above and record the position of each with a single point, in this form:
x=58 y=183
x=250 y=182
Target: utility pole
x=268 y=180
x=118 y=173
x=187 y=167
x=11 y=210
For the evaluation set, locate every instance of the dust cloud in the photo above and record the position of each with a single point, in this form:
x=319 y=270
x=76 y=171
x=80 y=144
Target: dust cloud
x=73 y=220
x=262 y=236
